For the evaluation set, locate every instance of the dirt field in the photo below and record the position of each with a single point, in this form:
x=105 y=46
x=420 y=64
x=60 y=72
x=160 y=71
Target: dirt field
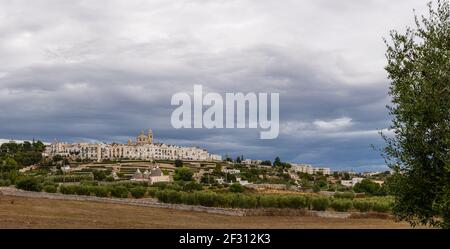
x=20 y=212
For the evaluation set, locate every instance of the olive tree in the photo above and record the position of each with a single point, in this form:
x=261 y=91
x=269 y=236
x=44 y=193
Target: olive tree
x=418 y=65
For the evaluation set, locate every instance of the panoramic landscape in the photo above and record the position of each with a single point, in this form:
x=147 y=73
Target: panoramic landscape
x=225 y=114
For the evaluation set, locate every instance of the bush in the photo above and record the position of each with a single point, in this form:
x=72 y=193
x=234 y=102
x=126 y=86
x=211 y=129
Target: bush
x=6 y=182
x=183 y=174
x=109 y=179
x=294 y=201
x=189 y=199
x=345 y=195
x=362 y=206
x=152 y=191
x=100 y=191
x=381 y=207
x=341 y=205
x=138 y=192
x=207 y=199
x=236 y=188
x=71 y=178
x=99 y=175
x=119 y=191
x=320 y=203
x=82 y=190
x=246 y=201
x=50 y=188
x=268 y=201
x=29 y=184
x=67 y=189
x=191 y=186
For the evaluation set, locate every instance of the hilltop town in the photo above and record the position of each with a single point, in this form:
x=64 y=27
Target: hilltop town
x=143 y=161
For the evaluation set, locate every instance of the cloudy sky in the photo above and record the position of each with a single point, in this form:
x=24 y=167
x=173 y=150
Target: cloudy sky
x=104 y=70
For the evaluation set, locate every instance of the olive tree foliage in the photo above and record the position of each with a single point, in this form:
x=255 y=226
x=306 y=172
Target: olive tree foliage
x=418 y=65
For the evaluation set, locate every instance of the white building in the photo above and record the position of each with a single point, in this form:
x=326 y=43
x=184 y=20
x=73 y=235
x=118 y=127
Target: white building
x=308 y=169
x=153 y=175
x=252 y=162
x=231 y=171
x=352 y=182
x=142 y=149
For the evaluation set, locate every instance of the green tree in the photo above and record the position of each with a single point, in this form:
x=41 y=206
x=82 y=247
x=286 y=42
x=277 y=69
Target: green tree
x=266 y=162
x=367 y=186
x=178 y=163
x=236 y=188
x=183 y=174
x=277 y=162
x=418 y=65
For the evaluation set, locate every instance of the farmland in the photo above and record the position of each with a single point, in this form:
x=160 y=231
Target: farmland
x=21 y=212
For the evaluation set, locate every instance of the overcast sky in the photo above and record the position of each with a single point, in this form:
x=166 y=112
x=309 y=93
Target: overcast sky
x=104 y=70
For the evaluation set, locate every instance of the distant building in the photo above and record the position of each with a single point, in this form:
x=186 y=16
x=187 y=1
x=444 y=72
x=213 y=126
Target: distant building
x=142 y=149
x=252 y=162
x=231 y=171
x=242 y=182
x=352 y=182
x=153 y=176
x=308 y=169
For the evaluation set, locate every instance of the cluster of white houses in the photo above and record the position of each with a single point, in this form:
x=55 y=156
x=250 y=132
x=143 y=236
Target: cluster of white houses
x=142 y=149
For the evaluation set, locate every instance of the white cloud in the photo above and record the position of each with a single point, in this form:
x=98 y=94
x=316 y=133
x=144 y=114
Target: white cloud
x=335 y=124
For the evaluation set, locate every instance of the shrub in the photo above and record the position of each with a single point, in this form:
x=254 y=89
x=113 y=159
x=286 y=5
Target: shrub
x=67 y=189
x=208 y=199
x=341 y=205
x=71 y=178
x=381 y=207
x=50 y=188
x=109 y=179
x=29 y=184
x=82 y=190
x=138 y=192
x=268 y=201
x=183 y=174
x=246 y=201
x=173 y=196
x=236 y=188
x=100 y=191
x=189 y=199
x=320 y=203
x=295 y=202
x=191 y=186
x=152 y=191
x=362 y=206
x=345 y=195
x=6 y=182
x=99 y=175
x=119 y=191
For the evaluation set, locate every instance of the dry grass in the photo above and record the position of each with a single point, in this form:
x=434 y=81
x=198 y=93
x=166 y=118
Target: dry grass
x=20 y=212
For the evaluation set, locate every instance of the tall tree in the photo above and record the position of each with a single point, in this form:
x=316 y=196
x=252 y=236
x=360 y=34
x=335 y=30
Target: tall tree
x=418 y=151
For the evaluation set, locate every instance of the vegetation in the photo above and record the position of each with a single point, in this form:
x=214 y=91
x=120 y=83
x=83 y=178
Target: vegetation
x=418 y=65
x=178 y=163
x=236 y=188
x=29 y=184
x=183 y=174
x=369 y=187
x=138 y=192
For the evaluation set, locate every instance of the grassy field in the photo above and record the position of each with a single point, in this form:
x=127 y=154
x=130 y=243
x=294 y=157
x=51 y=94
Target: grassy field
x=20 y=212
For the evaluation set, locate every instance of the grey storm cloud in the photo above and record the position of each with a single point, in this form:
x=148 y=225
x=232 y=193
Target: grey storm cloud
x=104 y=70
